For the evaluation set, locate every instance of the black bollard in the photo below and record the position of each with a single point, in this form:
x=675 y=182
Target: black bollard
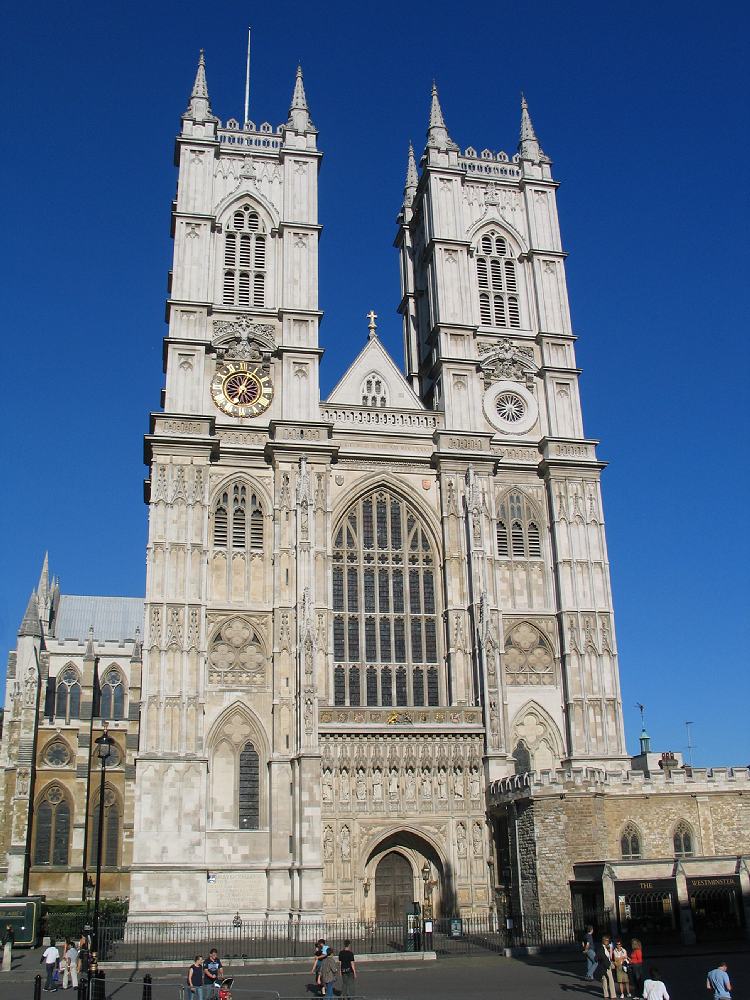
x=37 y=987
x=146 y=987
x=98 y=987
x=83 y=983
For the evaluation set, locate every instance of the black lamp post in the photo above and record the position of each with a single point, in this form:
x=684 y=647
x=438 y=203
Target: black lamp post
x=104 y=750
x=88 y=887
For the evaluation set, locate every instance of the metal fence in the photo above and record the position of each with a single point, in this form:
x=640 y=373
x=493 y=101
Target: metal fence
x=141 y=943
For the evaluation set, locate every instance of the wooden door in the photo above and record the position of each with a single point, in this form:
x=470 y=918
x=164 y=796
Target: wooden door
x=394 y=888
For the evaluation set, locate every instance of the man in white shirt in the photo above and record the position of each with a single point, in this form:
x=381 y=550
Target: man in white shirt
x=653 y=987
x=50 y=958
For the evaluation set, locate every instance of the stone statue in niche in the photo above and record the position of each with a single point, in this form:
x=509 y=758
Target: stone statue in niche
x=442 y=783
x=16 y=697
x=476 y=839
x=344 y=788
x=377 y=784
x=426 y=783
x=475 y=784
x=22 y=783
x=411 y=784
x=361 y=785
x=327 y=785
x=461 y=840
x=346 y=844
x=458 y=783
x=29 y=698
x=328 y=844
x=393 y=783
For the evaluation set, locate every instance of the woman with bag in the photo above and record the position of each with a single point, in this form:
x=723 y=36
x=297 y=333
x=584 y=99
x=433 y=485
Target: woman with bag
x=620 y=956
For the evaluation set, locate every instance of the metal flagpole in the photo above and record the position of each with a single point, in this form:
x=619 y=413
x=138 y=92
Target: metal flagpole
x=247 y=81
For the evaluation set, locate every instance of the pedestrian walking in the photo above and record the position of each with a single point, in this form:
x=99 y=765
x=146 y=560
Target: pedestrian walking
x=83 y=954
x=50 y=958
x=588 y=947
x=603 y=970
x=329 y=970
x=9 y=939
x=654 y=988
x=317 y=962
x=348 y=970
x=195 y=979
x=636 y=967
x=718 y=981
x=620 y=958
x=70 y=965
x=213 y=973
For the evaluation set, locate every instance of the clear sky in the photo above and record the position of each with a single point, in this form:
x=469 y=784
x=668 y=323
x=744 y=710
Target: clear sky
x=642 y=108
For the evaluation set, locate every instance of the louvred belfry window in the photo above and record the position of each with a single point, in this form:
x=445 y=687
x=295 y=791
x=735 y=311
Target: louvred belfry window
x=238 y=519
x=385 y=638
x=518 y=533
x=498 y=283
x=244 y=274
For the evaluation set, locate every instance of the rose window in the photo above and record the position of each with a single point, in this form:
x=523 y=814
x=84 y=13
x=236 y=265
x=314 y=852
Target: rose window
x=510 y=407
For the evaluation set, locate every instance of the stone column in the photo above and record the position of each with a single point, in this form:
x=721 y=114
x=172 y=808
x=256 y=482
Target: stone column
x=744 y=873
x=687 y=930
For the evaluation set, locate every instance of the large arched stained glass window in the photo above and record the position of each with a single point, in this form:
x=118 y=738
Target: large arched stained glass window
x=384 y=601
x=111 y=830
x=52 y=835
x=112 y=701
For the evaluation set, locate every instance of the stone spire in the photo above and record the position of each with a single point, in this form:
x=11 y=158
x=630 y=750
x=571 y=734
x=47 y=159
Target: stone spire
x=199 y=108
x=31 y=624
x=528 y=147
x=437 y=133
x=412 y=178
x=299 y=114
x=43 y=586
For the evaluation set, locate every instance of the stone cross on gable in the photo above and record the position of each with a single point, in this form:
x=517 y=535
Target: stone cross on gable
x=372 y=327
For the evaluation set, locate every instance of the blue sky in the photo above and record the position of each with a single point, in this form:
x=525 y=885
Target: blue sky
x=642 y=109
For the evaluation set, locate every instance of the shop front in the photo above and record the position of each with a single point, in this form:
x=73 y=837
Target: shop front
x=716 y=906
x=647 y=909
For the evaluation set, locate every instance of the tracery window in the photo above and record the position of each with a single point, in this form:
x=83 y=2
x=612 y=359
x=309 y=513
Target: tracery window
x=682 y=839
x=57 y=754
x=374 y=392
x=518 y=532
x=498 y=283
x=68 y=695
x=244 y=277
x=111 y=830
x=385 y=607
x=112 y=696
x=630 y=843
x=528 y=658
x=238 y=519
x=52 y=835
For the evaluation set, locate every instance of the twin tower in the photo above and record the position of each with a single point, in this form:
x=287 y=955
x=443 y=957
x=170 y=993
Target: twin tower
x=361 y=610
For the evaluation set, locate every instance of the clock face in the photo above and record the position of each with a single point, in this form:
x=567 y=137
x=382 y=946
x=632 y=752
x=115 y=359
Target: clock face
x=241 y=389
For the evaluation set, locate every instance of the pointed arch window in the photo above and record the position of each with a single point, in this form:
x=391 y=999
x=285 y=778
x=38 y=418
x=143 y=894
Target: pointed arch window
x=518 y=533
x=112 y=697
x=374 y=391
x=498 y=283
x=682 y=839
x=249 y=788
x=244 y=274
x=52 y=833
x=385 y=606
x=233 y=509
x=68 y=695
x=630 y=843
x=111 y=830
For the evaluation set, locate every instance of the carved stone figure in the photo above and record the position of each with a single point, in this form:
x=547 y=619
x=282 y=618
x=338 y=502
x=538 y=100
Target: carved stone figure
x=328 y=844
x=393 y=783
x=426 y=783
x=411 y=785
x=476 y=839
x=344 y=789
x=377 y=785
x=461 y=840
x=442 y=783
x=475 y=784
x=458 y=783
x=346 y=844
x=327 y=785
x=22 y=783
x=29 y=694
x=361 y=785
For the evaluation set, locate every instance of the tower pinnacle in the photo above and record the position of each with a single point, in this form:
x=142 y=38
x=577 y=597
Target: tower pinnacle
x=199 y=107
x=437 y=133
x=528 y=146
x=31 y=624
x=299 y=114
x=43 y=586
x=412 y=178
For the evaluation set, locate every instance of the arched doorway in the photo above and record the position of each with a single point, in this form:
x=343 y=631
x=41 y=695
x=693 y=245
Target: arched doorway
x=394 y=887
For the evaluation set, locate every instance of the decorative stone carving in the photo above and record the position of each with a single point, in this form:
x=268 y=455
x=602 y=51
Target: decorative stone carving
x=528 y=658
x=361 y=785
x=461 y=839
x=29 y=688
x=344 y=787
x=377 y=785
x=507 y=361
x=243 y=340
x=458 y=783
x=327 y=788
x=442 y=782
x=476 y=839
x=475 y=783
x=22 y=784
x=236 y=657
x=328 y=844
x=346 y=844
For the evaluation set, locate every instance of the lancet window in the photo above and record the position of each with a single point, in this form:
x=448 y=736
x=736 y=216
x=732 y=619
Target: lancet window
x=111 y=830
x=374 y=392
x=385 y=607
x=238 y=519
x=518 y=531
x=112 y=698
x=245 y=267
x=682 y=839
x=498 y=283
x=630 y=843
x=249 y=788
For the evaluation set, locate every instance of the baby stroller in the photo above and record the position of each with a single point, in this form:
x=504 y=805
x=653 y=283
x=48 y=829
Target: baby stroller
x=225 y=988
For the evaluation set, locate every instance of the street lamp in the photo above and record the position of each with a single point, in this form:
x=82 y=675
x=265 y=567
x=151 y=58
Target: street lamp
x=104 y=750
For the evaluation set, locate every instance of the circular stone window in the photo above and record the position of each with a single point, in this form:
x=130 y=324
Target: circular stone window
x=510 y=407
x=57 y=755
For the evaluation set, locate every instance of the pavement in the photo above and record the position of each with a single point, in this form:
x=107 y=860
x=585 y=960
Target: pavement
x=480 y=976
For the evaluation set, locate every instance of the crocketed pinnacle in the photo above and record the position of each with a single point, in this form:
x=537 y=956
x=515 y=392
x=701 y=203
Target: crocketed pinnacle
x=137 y=648
x=437 y=133
x=199 y=107
x=412 y=178
x=89 y=653
x=299 y=113
x=31 y=624
x=528 y=147
x=43 y=586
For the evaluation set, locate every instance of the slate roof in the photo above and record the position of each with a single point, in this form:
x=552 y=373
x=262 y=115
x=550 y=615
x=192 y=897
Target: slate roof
x=114 y=619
